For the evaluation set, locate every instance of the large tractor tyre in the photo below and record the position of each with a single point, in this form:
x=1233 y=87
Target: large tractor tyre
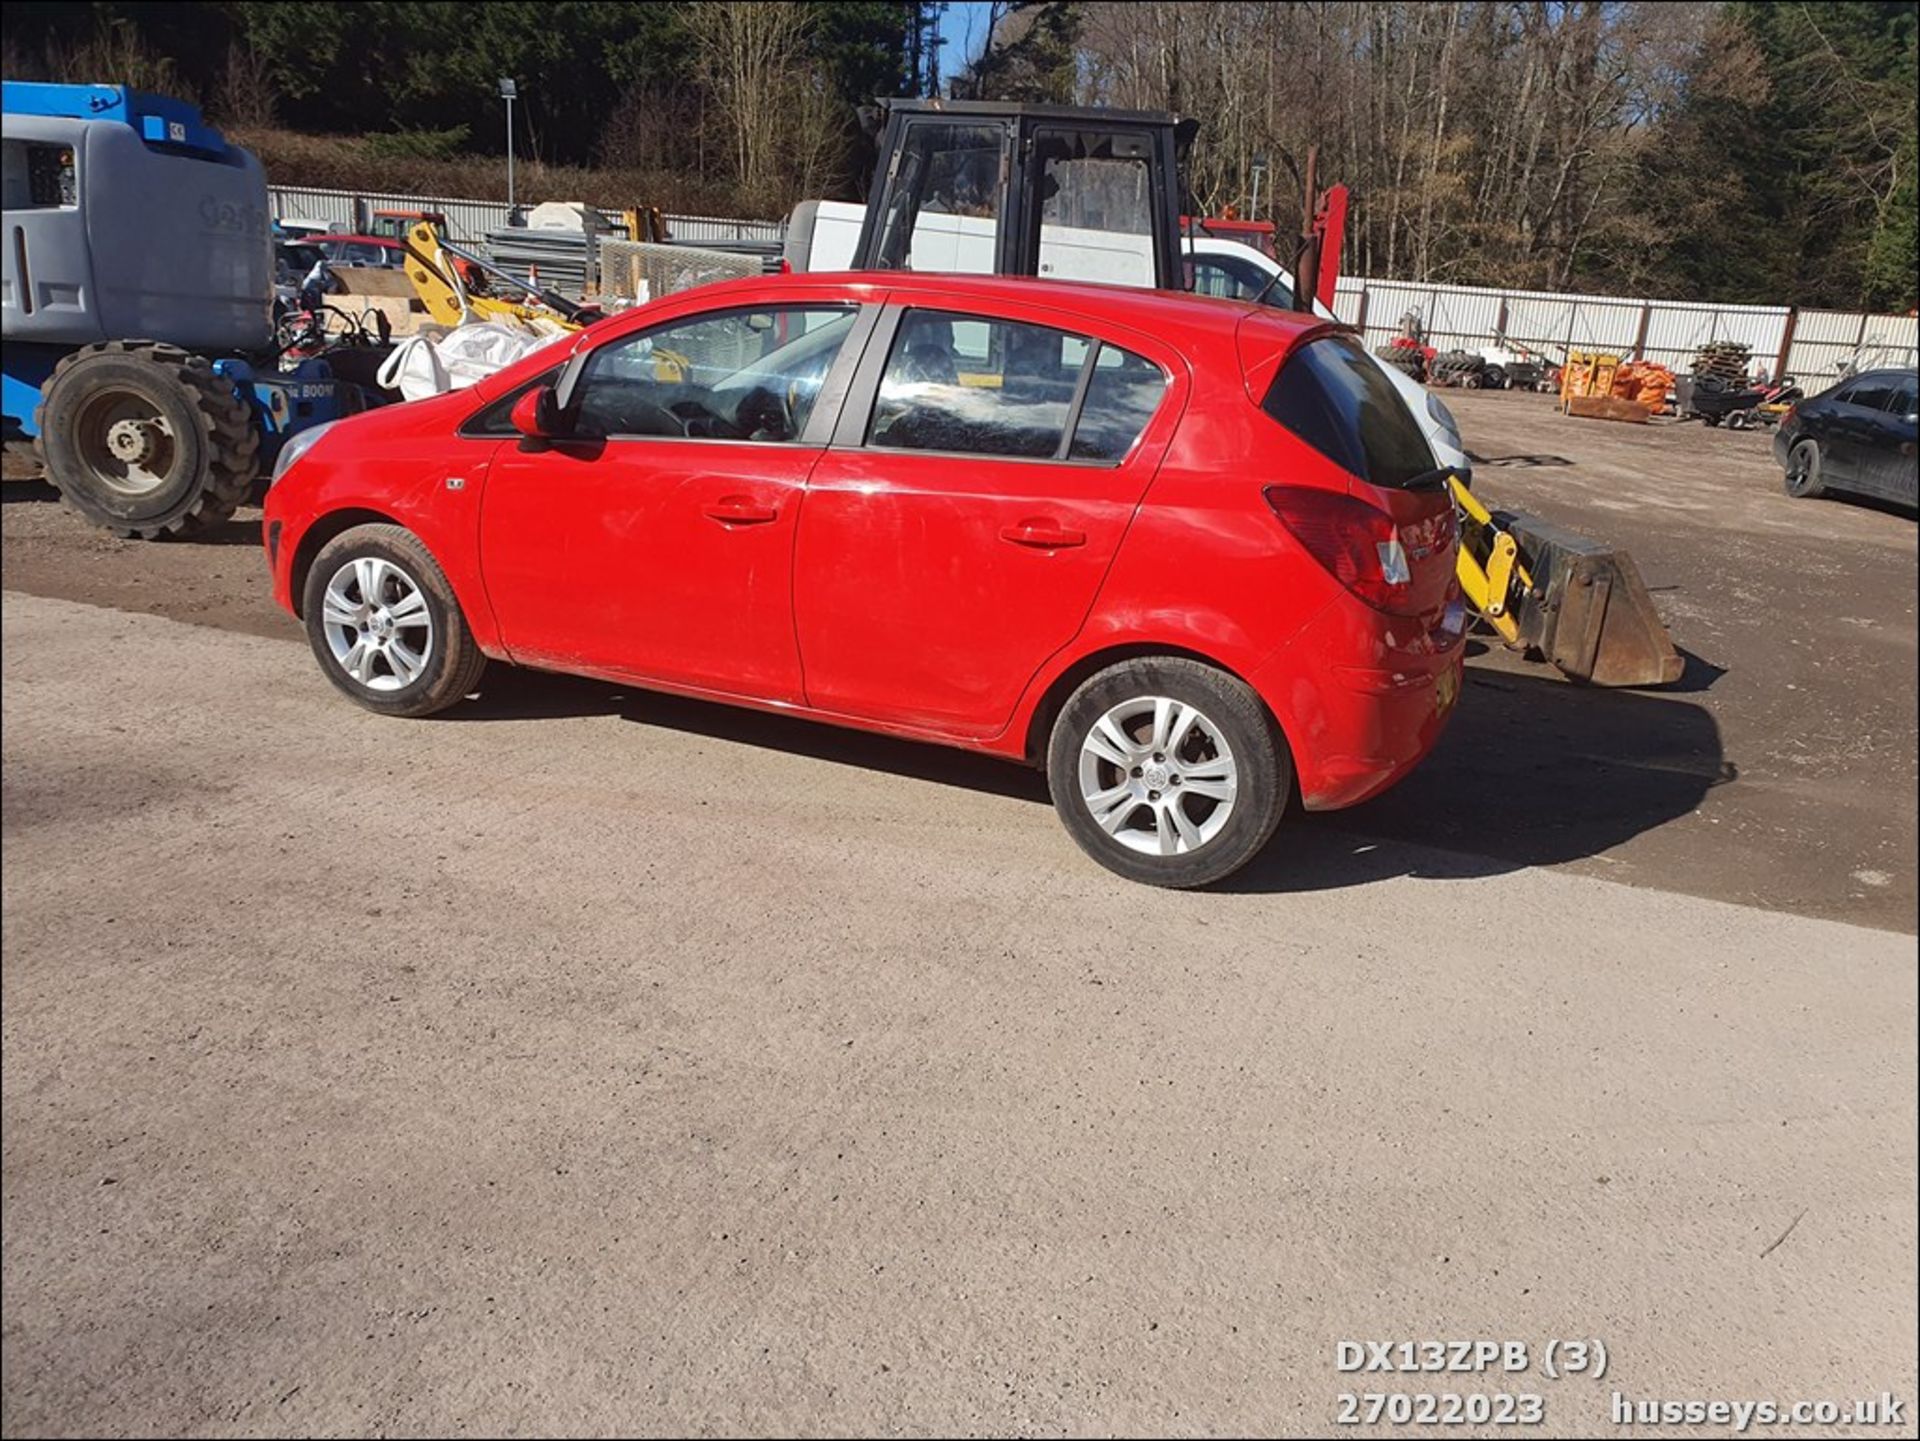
x=145 y=440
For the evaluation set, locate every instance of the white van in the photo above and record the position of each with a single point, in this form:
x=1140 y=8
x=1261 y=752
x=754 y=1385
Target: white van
x=823 y=235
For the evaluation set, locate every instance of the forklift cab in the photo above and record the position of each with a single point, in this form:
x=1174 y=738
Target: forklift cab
x=1059 y=192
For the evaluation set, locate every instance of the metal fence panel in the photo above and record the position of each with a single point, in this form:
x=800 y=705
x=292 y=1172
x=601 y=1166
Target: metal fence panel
x=1599 y=324
x=1828 y=343
x=636 y=271
x=469 y=220
x=1676 y=330
x=1540 y=322
x=1457 y=316
x=1347 y=295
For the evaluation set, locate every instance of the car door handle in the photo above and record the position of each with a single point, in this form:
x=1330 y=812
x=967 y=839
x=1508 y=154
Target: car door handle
x=739 y=510
x=1043 y=535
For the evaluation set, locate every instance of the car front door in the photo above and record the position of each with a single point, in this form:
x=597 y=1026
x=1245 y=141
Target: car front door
x=957 y=531
x=656 y=540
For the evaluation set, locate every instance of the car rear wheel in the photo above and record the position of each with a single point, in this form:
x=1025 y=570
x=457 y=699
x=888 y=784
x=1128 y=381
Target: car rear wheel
x=1168 y=771
x=385 y=626
x=1802 y=478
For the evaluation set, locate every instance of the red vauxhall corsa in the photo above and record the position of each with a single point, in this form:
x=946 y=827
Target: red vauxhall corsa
x=1192 y=556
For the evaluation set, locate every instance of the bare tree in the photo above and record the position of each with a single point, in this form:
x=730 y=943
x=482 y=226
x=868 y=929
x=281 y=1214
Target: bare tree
x=248 y=95
x=765 y=100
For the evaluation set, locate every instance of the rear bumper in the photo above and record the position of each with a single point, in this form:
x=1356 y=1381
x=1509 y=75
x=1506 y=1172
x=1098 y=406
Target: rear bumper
x=1362 y=704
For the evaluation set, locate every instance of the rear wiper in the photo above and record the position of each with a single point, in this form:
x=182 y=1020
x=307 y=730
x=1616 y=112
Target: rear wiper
x=1435 y=479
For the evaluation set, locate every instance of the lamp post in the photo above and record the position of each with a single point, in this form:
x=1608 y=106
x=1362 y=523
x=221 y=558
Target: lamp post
x=507 y=93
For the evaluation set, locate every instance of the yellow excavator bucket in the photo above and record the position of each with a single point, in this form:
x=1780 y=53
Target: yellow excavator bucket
x=1572 y=602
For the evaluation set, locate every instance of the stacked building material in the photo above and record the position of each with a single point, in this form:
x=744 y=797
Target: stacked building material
x=1724 y=360
x=1644 y=382
x=562 y=258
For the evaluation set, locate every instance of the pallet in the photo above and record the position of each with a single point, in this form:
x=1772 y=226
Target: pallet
x=1606 y=407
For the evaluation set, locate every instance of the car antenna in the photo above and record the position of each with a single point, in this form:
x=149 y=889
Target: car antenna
x=1274 y=279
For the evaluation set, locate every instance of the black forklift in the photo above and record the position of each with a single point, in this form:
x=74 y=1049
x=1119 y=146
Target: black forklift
x=984 y=186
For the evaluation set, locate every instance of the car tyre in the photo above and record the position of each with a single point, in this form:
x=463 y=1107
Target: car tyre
x=1168 y=771
x=385 y=626
x=1802 y=478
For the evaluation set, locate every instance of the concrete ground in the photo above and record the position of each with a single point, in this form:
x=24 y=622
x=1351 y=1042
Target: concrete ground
x=594 y=1062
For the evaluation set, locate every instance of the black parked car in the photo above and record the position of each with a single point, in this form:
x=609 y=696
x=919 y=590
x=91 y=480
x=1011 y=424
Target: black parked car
x=1858 y=436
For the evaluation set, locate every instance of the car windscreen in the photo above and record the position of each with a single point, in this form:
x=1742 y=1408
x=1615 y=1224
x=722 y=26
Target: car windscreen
x=1332 y=395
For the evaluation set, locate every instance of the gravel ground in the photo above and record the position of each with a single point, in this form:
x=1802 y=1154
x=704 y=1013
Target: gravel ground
x=597 y=1062
x=577 y=1069
x=1781 y=773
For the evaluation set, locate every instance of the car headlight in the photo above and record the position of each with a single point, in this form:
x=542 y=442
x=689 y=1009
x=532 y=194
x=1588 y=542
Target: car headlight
x=298 y=445
x=1442 y=417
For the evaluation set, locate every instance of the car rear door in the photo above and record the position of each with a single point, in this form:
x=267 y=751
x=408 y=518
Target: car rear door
x=657 y=541
x=956 y=532
x=1893 y=474
x=1851 y=434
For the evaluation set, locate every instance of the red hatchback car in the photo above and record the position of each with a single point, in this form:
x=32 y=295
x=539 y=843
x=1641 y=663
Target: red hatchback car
x=1192 y=556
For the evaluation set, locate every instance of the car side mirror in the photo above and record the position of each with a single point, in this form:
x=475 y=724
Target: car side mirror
x=536 y=415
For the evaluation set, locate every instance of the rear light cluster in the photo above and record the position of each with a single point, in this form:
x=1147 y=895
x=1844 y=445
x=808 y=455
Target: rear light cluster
x=1360 y=545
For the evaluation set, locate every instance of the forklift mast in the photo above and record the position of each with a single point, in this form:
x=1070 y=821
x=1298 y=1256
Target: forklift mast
x=954 y=175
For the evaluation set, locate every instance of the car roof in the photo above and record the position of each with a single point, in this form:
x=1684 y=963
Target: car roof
x=386 y=240
x=1160 y=312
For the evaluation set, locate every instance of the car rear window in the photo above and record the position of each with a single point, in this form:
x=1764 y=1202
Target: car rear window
x=969 y=385
x=1122 y=396
x=1332 y=395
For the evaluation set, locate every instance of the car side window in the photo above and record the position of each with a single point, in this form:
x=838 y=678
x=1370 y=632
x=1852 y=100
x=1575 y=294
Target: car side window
x=1906 y=398
x=963 y=384
x=750 y=374
x=1870 y=394
x=1121 y=398
x=1235 y=279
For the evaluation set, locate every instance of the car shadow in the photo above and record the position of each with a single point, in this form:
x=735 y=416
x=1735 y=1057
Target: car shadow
x=1531 y=771
x=510 y=693
x=1903 y=509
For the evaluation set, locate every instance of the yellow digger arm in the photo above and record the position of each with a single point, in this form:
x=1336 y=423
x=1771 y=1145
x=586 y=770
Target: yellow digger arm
x=435 y=276
x=1488 y=564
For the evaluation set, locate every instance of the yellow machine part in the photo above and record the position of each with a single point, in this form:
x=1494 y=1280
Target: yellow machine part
x=1575 y=603
x=1586 y=373
x=1489 y=563
x=436 y=280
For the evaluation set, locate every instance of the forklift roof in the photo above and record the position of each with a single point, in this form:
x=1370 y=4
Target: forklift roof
x=1015 y=109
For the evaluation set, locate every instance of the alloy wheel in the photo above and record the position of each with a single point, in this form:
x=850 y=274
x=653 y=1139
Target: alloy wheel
x=377 y=624
x=1158 y=776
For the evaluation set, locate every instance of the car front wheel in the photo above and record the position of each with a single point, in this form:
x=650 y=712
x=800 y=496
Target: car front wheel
x=385 y=626
x=1168 y=771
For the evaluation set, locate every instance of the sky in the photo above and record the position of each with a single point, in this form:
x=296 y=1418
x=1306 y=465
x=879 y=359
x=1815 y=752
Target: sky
x=965 y=28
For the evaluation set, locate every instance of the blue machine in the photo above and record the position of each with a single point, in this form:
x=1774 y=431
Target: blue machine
x=137 y=309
